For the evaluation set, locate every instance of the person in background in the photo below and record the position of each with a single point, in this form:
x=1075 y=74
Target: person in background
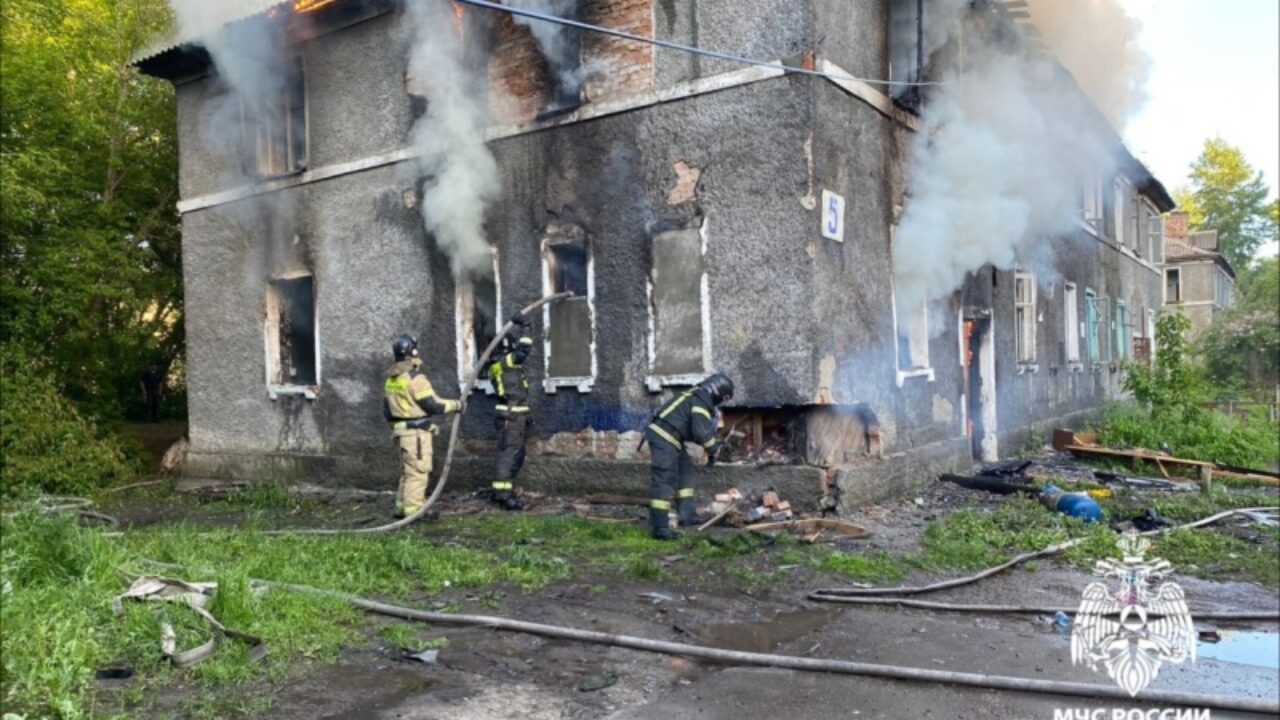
x=152 y=384
x=511 y=384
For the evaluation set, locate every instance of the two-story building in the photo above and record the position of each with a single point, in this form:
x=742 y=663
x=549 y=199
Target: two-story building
x=707 y=215
x=1199 y=282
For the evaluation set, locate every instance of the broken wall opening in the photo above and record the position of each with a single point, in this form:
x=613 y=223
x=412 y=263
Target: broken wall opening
x=478 y=303
x=818 y=435
x=291 y=332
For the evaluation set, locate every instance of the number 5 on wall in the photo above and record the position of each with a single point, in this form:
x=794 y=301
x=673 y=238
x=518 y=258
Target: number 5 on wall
x=832 y=216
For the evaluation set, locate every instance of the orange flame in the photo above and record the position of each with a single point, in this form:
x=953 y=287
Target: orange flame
x=306 y=6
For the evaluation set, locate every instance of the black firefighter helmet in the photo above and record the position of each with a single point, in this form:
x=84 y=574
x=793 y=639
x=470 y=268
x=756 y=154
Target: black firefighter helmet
x=719 y=387
x=405 y=347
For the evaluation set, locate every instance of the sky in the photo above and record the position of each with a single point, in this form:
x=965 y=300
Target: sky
x=1215 y=71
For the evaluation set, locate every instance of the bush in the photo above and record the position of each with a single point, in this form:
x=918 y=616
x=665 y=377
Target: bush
x=46 y=444
x=1170 y=410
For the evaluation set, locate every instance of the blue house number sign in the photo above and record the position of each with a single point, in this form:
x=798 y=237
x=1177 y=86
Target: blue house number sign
x=832 y=216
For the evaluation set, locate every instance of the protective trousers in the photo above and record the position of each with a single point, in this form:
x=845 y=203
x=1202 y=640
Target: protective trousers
x=670 y=481
x=415 y=467
x=512 y=431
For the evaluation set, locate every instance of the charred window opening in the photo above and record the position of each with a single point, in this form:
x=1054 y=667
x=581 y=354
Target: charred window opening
x=479 y=301
x=291 y=332
x=560 y=48
x=677 y=293
x=907 y=52
x=275 y=129
x=570 y=333
x=819 y=435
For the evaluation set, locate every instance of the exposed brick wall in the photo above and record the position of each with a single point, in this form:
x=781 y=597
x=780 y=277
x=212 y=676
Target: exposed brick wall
x=518 y=82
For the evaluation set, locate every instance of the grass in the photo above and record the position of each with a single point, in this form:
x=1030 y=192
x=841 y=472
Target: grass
x=58 y=579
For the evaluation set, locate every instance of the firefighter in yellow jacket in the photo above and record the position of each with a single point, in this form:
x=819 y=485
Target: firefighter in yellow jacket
x=511 y=384
x=412 y=407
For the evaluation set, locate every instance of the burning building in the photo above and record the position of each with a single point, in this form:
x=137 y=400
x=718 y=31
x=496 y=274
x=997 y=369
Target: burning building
x=889 y=302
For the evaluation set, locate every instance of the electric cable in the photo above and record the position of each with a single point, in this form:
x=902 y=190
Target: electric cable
x=693 y=49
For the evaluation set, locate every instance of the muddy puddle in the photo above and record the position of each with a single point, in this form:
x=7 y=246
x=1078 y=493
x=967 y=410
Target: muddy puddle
x=767 y=635
x=1260 y=648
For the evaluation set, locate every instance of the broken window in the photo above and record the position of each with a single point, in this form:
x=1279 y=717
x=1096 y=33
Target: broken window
x=570 y=339
x=1024 y=316
x=291 y=337
x=1071 y=324
x=677 y=309
x=906 y=50
x=275 y=128
x=1172 y=285
x=1091 y=325
x=478 y=301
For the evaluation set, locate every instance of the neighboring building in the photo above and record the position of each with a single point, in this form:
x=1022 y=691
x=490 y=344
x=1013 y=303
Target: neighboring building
x=694 y=208
x=1198 y=280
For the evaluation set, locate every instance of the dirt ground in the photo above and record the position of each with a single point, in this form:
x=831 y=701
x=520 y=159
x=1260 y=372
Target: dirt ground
x=488 y=674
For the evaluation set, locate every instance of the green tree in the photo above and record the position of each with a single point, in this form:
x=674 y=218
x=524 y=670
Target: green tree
x=1242 y=347
x=90 y=270
x=1228 y=195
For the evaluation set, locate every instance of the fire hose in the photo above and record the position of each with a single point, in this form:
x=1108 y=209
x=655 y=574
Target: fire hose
x=453 y=438
x=790 y=662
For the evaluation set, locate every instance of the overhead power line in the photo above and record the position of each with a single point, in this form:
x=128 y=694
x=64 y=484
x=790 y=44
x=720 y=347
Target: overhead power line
x=536 y=15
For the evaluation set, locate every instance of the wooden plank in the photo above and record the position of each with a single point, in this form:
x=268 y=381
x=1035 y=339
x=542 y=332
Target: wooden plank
x=1135 y=454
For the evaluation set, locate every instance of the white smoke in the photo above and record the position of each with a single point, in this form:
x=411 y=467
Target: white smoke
x=558 y=44
x=1002 y=152
x=249 y=60
x=461 y=172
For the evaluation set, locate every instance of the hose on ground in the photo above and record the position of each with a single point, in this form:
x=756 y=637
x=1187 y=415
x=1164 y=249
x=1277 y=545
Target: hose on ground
x=791 y=662
x=1272 y=615
x=453 y=438
x=827 y=594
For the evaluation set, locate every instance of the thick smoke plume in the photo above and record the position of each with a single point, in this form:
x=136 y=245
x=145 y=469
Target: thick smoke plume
x=461 y=172
x=1004 y=148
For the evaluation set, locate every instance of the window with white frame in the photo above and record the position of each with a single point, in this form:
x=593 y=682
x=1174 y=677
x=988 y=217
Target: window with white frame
x=1024 y=316
x=274 y=129
x=570 y=324
x=478 y=303
x=1221 y=289
x=292 y=333
x=912 y=320
x=1070 y=324
x=678 y=310
x=1091 y=326
x=1091 y=196
x=1172 y=285
x=1155 y=234
x=1121 y=205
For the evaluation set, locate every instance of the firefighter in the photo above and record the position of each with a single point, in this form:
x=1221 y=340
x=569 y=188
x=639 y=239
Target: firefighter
x=511 y=384
x=412 y=407
x=689 y=417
